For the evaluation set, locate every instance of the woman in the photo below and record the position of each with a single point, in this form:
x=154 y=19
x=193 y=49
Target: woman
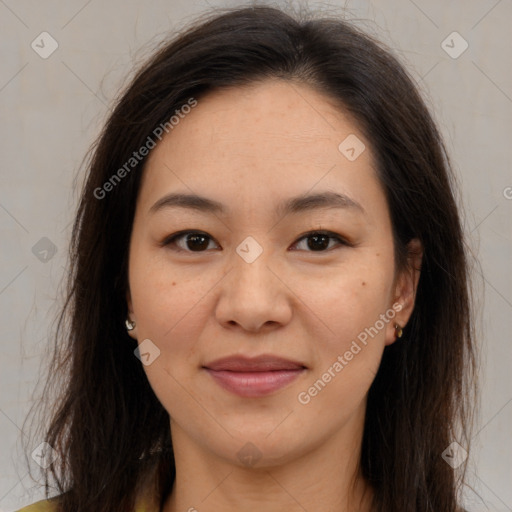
x=269 y=297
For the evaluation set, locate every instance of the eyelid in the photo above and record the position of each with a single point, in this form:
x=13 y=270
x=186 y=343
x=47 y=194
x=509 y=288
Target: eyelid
x=331 y=234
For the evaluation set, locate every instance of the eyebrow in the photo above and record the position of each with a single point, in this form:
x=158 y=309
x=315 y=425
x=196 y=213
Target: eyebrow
x=293 y=205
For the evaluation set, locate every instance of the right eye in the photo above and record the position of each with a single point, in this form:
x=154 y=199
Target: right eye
x=195 y=241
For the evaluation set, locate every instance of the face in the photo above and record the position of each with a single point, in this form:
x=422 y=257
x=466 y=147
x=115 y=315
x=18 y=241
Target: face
x=264 y=271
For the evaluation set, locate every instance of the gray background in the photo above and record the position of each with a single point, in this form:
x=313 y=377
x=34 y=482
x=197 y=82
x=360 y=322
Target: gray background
x=52 y=109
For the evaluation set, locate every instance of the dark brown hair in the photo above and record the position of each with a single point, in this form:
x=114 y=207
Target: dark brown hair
x=108 y=427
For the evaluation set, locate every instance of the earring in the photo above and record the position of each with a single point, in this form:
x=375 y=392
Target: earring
x=399 y=331
x=129 y=324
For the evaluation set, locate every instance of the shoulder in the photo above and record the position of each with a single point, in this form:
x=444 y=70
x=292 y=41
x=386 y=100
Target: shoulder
x=41 y=506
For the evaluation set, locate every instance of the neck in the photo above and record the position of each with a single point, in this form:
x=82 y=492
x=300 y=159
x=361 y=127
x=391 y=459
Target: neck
x=325 y=478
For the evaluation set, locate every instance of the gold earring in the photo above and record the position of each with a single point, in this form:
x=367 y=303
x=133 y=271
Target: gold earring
x=399 y=331
x=129 y=324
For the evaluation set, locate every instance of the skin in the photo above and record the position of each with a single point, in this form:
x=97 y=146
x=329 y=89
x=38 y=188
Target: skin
x=250 y=148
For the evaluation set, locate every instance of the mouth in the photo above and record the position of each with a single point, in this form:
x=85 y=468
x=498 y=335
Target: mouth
x=254 y=377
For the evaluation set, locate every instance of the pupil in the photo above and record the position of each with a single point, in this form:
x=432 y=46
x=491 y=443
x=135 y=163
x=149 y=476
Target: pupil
x=323 y=245
x=194 y=239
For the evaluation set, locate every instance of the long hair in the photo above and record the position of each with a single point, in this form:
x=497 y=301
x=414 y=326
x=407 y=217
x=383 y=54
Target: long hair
x=108 y=427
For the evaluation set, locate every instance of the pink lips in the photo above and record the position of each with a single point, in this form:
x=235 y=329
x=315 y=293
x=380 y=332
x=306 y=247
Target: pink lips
x=254 y=377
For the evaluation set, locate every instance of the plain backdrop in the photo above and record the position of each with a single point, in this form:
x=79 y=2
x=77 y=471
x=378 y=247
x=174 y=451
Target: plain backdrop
x=53 y=108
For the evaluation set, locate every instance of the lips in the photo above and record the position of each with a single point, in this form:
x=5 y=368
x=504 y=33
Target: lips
x=254 y=377
x=263 y=363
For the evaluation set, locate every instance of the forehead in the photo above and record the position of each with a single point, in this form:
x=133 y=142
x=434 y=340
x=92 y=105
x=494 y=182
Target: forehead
x=272 y=138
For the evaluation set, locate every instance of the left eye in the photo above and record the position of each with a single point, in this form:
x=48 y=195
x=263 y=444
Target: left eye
x=319 y=240
x=197 y=241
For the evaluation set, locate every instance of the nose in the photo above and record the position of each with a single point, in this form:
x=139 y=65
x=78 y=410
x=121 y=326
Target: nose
x=253 y=296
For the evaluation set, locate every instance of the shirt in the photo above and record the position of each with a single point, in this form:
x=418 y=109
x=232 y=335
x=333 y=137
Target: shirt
x=49 y=506
x=146 y=501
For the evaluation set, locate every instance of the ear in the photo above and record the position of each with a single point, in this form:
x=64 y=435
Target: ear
x=130 y=316
x=406 y=284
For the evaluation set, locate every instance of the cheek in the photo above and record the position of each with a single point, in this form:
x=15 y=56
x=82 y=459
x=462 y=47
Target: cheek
x=168 y=308
x=347 y=299
x=170 y=312
x=350 y=302
x=348 y=347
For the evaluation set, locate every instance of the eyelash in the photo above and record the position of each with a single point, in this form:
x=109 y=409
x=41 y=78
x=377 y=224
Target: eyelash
x=172 y=238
